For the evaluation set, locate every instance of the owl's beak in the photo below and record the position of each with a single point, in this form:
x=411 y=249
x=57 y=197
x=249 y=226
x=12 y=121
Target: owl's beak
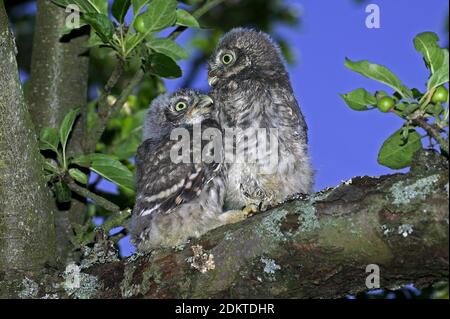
x=205 y=101
x=212 y=78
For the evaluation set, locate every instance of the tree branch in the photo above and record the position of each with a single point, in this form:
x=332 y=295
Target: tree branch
x=313 y=247
x=433 y=132
x=59 y=83
x=317 y=247
x=82 y=191
x=27 y=234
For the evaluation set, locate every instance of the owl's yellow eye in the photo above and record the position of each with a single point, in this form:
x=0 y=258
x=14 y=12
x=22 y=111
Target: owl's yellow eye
x=227 y=58
x=180 y=106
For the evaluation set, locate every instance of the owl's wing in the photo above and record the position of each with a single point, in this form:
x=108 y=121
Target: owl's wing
x=288 y=113
x=162 y=184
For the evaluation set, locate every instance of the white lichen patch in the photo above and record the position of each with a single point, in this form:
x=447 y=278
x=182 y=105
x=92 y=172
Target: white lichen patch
x=201 y=260
x=30 y=289
x=403 y=193
x=103 y=252
x=228 y=236
x=270 y=225
x=270 y=267
x=405 y=230
x=79 y=285
x=386 y=230
x=307 y=218
x=181 y=246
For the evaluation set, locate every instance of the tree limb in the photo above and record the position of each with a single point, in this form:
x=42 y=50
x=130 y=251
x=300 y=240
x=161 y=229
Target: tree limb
x=27 y=235
x=59 y=83
x=308 y=247
x=433 y=132
x=317 y=247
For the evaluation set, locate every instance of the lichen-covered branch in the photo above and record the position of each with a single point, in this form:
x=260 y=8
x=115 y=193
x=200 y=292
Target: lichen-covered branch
x=27 y=241
x=434 y=132
x=308 y=247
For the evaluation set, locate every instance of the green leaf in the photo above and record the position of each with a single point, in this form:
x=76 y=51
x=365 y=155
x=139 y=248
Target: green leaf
x=66 y=126
x=63 y=193
x=184 y=18
x=120 y=8
x=427 y=44
x=78 y=175
x=138 y=5
x=359 y=99
x=396 y=153
x=160 y=14
x=163 y=66
x=132 y=40
x=100 y=6
x=91 y=6
x=101 y=24
x=86 y=160
x=410 y=108
x=169 y=48
x=50 y=166
x=49 y=140
x=435 y=109
x=379 y=73
x=441 y=75
x=114 y=171
x=93 y=41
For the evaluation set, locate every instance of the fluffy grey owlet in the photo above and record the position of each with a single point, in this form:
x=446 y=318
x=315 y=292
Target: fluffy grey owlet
x=252 y=91
x=176 y=199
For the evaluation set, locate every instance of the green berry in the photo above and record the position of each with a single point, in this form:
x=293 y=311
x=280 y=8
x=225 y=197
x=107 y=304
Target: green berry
x=385 y=104
x=440 y=95
x=139 y=24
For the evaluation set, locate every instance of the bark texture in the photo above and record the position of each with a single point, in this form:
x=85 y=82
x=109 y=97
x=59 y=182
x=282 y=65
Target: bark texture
x=26 y=212
x=314 y=247
x=59 y=83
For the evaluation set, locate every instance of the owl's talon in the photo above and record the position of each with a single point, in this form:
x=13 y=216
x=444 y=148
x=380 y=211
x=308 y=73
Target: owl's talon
x=250 y=210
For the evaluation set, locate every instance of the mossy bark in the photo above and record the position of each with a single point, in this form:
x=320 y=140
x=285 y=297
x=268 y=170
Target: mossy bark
x=27 y=237
x=59 y=83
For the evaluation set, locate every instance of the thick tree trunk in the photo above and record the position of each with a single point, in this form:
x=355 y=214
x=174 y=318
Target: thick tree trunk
x=27 y=237
x=59 y=83
x=314 y=247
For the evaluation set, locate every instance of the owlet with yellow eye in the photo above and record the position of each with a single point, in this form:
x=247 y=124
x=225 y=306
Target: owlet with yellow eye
x=178 y=199
x=255 y=100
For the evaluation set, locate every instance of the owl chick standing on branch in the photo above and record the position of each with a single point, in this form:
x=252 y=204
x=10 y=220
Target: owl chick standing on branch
x=176 y=199
x=252 y=91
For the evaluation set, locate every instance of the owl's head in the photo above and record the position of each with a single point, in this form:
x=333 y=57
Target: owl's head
x=242 y=54
x=171 y=110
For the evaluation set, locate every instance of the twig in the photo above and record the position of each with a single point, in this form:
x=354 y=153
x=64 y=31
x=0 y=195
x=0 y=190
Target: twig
x=123 y=97
x=432 y=131
x=100 y=201
x=110 y=84
x=110 y=110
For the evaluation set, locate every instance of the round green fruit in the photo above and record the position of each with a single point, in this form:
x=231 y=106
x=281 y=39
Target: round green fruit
x=440 y=95
x=385 y=104
x=139 y=24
